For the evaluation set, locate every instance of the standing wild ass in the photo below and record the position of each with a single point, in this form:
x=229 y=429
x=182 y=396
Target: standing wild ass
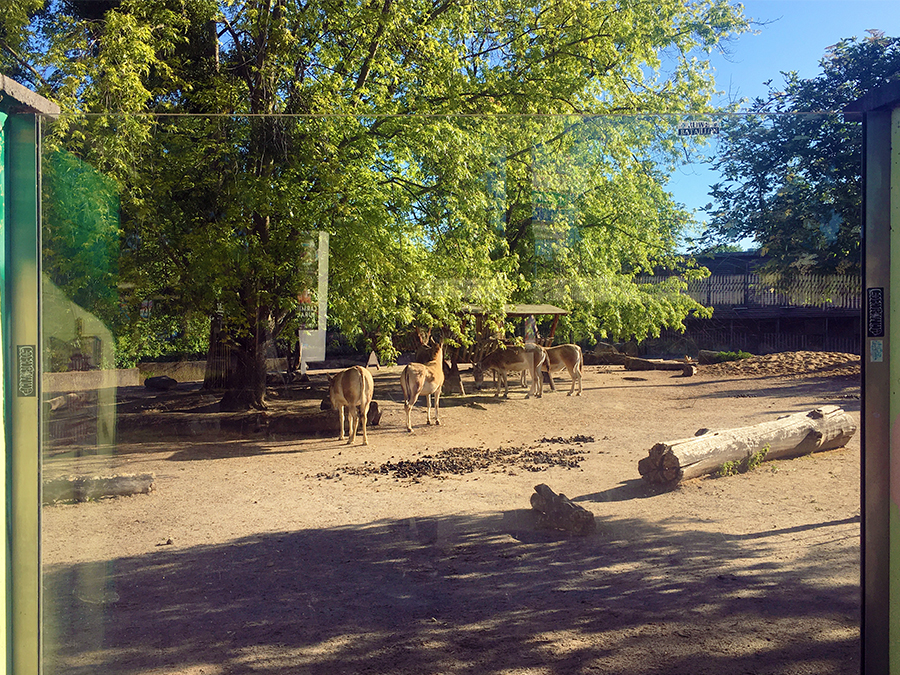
x=529 y=358
x=352 y=389
x=565 y=356
x=424 y=379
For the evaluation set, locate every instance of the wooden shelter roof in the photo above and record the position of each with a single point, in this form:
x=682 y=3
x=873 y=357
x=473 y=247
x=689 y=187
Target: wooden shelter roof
x=521 y=310
x=14 y=98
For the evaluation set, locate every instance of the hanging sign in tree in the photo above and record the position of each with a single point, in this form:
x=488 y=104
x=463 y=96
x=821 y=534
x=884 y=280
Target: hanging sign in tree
x=698 y=128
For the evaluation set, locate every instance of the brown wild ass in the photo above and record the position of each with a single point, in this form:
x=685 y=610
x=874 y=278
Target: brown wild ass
x=424 y=379
x=352 y=389
x=529 y=358
x=565 y=356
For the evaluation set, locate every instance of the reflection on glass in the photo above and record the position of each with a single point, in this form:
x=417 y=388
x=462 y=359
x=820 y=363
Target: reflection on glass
x=200 y=513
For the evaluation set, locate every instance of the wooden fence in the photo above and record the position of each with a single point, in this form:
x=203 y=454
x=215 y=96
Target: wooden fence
x=768 y=290
x=717 y=339
x=830 y=301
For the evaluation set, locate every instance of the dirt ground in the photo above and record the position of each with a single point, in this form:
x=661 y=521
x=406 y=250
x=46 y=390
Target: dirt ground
x=262 y=549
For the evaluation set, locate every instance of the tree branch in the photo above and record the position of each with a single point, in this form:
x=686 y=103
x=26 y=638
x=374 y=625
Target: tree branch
x=22 y=62
x=373 y=48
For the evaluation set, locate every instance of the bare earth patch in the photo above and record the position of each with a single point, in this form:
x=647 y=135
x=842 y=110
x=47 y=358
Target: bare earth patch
x=264 y=549
x=792 y=364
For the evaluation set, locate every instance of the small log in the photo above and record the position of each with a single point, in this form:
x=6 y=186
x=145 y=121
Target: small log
x=61 y=402
x=557 y=512
x=824 y=428
x=87 y=488
x=687 y=368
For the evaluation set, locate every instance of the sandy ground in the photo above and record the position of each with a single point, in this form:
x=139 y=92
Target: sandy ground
x=270 y=552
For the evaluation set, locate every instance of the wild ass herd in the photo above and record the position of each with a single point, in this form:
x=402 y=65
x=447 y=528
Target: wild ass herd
x=353 y=388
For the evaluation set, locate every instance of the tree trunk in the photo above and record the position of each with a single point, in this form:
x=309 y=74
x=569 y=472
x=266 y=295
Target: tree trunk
x=217 y=358
x=247 y=380
x=824 y=428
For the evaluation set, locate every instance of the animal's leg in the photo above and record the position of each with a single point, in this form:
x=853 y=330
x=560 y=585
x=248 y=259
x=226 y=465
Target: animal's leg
x=428 y=404
x=437 y=412
x=408 y=406
x=341 y=414
x=579 y=370
x=404 y=385
x=550 y=377
x=529 y=365
x=363 y=414
x=353 y=420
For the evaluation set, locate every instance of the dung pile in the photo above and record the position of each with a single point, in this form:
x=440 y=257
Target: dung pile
x=459 y=461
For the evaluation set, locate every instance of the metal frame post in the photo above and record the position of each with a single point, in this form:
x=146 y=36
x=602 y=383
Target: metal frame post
x=880 y=111
x=21 y=355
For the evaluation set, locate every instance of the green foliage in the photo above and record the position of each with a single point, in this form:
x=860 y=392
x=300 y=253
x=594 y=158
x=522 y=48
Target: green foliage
x=719 y=249
x=723 y=357
x=792 y=181
x=16 y=20
x=748 y=463
x=454 y=152
x=162 y=335
x=81 y=233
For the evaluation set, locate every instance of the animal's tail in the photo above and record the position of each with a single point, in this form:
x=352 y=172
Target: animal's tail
x=405 y=384
x=579 y=364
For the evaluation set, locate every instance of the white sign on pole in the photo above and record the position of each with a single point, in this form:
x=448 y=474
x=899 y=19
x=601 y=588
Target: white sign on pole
x=314 y=304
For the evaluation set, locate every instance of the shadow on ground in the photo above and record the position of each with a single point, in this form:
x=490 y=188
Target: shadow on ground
x=463 y=594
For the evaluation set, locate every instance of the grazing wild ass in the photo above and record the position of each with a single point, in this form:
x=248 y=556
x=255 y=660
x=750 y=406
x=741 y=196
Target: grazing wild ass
x=568 y=357
x=424 y=379
x=529 y=358
x=352 y=389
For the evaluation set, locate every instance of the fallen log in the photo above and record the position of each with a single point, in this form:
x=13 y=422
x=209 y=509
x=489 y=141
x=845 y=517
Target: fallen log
x=687 y=368
x=558 y=512
x=824 y=428
x=88 y=488
x=605 y=359
x=707 y=357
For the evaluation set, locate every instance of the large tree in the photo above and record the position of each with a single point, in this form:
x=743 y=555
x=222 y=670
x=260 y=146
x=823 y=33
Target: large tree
x=791 y=167
x=425 y=136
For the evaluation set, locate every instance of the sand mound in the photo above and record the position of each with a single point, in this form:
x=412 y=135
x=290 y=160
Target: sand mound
x=789 y=364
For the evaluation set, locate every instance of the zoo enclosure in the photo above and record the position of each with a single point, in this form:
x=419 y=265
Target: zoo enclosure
x=760 y=312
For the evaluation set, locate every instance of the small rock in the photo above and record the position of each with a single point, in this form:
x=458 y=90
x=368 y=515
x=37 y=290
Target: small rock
x=160 y=383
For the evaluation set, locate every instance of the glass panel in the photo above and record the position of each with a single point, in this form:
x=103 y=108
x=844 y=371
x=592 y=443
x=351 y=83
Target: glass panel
x=204 y=280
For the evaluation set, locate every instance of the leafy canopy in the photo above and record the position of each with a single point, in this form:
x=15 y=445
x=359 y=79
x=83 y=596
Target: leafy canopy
x=451 y=149
x=791 y=168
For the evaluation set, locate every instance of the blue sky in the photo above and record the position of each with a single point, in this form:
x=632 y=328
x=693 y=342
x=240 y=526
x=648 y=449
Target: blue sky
x=795 y=37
